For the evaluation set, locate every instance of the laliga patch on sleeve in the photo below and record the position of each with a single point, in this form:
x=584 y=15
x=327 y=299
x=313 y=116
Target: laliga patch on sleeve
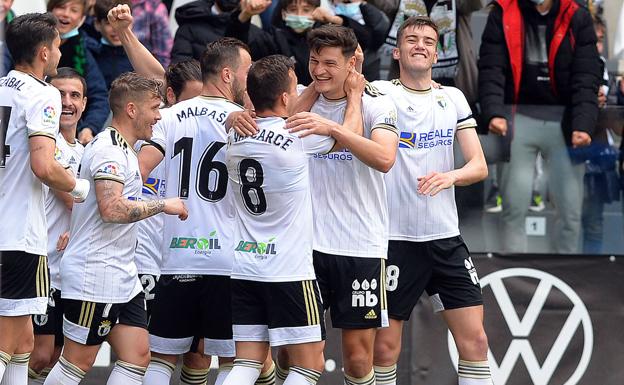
x=49 y=113
x=108 y=169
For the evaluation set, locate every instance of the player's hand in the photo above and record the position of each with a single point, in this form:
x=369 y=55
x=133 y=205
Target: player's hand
x=120 y=17
x=435 y=85
x=242 y=122
x=580 y=139
x=602 y=98
x=359 y=58
x=308 y=123
x=81 y=190
x=498 y=126
x=354 y=84
x=175 y=206
x=85 y=136
x=435 y=182
x=62 y=242
x=324 y=15
x=250 y=8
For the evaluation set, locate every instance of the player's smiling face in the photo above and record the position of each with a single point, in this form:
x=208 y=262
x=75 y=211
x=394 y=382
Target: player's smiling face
x=73 y=101
x=148 y=114
x=329 y=69
x=417 y=50
x=70 y=15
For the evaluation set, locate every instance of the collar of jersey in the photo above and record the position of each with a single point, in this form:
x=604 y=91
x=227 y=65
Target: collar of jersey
x=414 y=91
x=334 y=100
x=122 y=138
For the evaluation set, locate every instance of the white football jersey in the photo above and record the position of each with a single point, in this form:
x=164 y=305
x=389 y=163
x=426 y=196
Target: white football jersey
x=150 y=230
x=348 y=197
x=28 y=107
x=192 y=136
x=57 y=214
x=98 y=264
x=269 y=180
x=427 y=123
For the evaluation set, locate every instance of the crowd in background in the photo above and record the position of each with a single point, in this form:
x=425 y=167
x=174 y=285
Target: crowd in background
x=553 y=122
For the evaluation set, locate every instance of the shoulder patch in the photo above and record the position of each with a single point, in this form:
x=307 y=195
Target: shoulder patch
x=373 y=91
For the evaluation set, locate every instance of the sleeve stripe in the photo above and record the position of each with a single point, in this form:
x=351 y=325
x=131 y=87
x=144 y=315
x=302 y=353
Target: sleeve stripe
x=156 y=145
x=331 y=148
x=466 y=127
x=388 y=127
x=118 y=180
x=464 y=119
x=42 y=133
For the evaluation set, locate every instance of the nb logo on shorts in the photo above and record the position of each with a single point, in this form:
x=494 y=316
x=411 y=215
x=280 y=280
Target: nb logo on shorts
x=362 y=296
x=104 y=329
x=471 y=270
x=40 y=319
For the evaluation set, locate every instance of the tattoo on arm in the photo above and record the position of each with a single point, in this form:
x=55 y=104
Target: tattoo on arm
x=115 y=209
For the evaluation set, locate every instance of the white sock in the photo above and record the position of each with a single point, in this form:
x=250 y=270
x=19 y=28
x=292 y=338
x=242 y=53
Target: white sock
x=5 y=358
x=16 y=372
x=158 y=372
x=302 y=376
x=244 y=372
x=474 y=373
x=268 y=377
x=125 y=373
x=368 y=379
x=386 y=375
x=189 y=376
x=64 y=373
x=224 y=370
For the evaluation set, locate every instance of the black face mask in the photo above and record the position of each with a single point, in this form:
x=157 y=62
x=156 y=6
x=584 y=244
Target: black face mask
x=227 y=5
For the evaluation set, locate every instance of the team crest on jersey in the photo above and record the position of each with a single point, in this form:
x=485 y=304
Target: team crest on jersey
x=153 y=186
x=407 y=140
x=441 y=102
x=104 y=329
x=49 y=113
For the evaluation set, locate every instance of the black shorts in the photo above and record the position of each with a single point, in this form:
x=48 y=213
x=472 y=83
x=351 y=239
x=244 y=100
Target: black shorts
x=149 y=287
x=442 y=267
x=281 y=313
x=51 y=323
x=189 y=306
x=89 y=323
x=353 y=288
x=24 y=283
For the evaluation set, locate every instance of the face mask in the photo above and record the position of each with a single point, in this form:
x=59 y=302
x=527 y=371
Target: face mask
x=227 y=5
x=538 y=2
x=350 y=10
x=70 y=34
x=298 y=23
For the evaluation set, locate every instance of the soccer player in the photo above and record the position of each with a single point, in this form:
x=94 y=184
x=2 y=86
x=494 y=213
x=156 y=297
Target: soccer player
x=48 y=327
x=425 y=251
x=102 y=295
x=350 y=210
x=29 y=119
x=275 y=297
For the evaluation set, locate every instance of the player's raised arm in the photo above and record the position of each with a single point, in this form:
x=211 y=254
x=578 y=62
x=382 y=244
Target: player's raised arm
x=144 y=63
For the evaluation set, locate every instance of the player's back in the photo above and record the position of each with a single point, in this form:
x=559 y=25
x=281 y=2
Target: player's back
x=270 y=181
x=29 y=107
x=192 y=136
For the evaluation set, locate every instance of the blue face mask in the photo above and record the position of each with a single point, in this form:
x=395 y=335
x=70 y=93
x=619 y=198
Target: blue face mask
x=350 y=10
x=298 y=23
x=70 y=34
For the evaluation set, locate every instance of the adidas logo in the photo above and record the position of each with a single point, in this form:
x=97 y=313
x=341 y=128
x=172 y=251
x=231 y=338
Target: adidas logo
x=371 y=315
x=410 y=109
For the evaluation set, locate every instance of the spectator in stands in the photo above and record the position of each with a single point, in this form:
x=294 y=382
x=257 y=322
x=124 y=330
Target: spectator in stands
x=109 y=54
x=552 y=84
x=205 y=21
x=6 y=16
x=287 y=36
x=76 y=53
x=151 y=26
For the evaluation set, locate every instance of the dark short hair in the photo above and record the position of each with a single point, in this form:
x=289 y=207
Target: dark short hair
x=221 y=53
x=102 y=7
x=178 y=74
x=268 y=79
x=329 y=35
x=417 y=22
x=57 y=3
x=283 y=4
x=27 y=33
x=131 y=87
x=70 y=73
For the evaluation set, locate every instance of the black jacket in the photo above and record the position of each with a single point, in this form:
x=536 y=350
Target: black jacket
x=576 y=71
x=198 y=26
